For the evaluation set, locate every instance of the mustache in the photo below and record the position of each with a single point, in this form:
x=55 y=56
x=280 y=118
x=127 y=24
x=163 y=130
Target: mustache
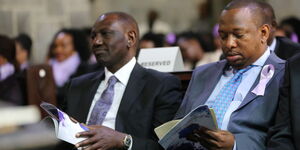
x=231 y=53
x=98 y=48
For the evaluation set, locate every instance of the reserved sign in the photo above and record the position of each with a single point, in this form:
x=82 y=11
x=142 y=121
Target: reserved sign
x=164 y=59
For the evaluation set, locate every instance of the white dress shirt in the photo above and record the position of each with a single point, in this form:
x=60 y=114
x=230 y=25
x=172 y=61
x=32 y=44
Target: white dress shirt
x=122 y=75
x=273 y=45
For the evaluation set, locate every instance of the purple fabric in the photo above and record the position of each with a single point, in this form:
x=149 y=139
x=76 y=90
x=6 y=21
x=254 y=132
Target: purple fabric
x=294 y=37
x=103 y=104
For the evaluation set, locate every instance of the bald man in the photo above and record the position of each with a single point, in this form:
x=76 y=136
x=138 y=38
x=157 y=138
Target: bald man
x=123 y=103
x=243 y=89
x=283 y=47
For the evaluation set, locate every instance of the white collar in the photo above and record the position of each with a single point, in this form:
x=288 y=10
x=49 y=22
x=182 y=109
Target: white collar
x=272 y=46
x=262 y=59
x=123 y=73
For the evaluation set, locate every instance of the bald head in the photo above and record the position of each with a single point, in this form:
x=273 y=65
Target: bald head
x=128 y=21
x=114 y=39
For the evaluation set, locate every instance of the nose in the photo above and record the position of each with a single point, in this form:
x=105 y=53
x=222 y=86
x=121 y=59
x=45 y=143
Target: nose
x=97 y=40
x=230 y=42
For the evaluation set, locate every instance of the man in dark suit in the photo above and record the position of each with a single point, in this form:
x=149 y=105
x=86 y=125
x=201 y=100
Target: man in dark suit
x=286 y=132
x=143 y=98
x=283 y=47
x=243 y=88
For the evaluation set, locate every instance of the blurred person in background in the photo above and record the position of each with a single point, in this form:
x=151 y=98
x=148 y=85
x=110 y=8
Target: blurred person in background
x=23 y=45
x=291 y=26
x=203 y=23
x=152 y=40
x=217 y=53
x=193 y=49
x=10 y=90
x=23 y=51
x=154 y=24
x=283 y=47
x=70 y=54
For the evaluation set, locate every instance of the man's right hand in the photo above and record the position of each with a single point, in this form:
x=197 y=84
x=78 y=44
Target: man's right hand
x=100 y=138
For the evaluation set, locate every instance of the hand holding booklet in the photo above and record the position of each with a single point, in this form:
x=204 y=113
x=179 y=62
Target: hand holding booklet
x=173 y=134
x=65 y=127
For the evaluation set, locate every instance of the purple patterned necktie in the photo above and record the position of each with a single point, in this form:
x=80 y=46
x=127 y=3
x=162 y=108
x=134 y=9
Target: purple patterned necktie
x=103 y=104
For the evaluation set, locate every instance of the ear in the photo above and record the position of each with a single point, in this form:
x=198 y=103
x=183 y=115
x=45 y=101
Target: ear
x=132 y=39
x=265 y=32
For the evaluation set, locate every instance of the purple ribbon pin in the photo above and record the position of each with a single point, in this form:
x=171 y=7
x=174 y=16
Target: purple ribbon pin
x=265 y=76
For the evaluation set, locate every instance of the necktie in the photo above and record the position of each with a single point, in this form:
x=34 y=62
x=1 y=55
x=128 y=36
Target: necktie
x=226 y=95
x=103 y=104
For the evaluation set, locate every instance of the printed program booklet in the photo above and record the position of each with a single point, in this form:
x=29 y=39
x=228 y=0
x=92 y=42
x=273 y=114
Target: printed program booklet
x=173 y=134
x=65 y=128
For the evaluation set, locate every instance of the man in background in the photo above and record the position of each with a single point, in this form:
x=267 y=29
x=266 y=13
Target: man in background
x=283 y=47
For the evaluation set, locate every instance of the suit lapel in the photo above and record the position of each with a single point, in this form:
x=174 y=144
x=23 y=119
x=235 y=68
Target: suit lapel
x=271 y=60
x=209 y=85
x=133 y=89
x=88 y=96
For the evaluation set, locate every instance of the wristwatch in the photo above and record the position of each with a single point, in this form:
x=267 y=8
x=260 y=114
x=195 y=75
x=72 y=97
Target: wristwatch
x=127 y=141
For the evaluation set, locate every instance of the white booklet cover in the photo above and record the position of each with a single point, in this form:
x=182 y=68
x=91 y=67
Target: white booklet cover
x=65 y=128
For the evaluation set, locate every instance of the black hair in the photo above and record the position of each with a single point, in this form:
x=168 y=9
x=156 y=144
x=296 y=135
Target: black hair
x=255 y=6
x=80 y=42
x=157 y=39
x=195 y=36
x=7 y=48
x=25 y=41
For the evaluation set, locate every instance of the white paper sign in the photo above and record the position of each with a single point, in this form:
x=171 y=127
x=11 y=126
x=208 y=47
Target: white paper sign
x=164 y=59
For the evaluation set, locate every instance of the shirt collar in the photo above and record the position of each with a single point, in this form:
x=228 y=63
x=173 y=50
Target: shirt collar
x=272 y=46
x=262 y=59
x=123 y=73
x=259 y=62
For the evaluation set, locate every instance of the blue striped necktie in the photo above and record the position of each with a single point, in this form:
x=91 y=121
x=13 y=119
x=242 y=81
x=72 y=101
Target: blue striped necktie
x=226 y=95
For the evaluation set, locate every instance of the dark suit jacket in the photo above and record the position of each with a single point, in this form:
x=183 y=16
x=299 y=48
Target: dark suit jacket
x=286 y=133
x=251 y=121
x=285 y=48
x=10 y=90
x=150 y=99
x=83 y=68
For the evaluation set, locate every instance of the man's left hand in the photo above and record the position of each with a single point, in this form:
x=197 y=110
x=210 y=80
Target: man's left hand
x=215 y=140
x=100 y=138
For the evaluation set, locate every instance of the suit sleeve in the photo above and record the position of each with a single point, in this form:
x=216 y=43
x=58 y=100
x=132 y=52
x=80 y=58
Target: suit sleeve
x=166 y=104
x=280 y=136
x=186 y=104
